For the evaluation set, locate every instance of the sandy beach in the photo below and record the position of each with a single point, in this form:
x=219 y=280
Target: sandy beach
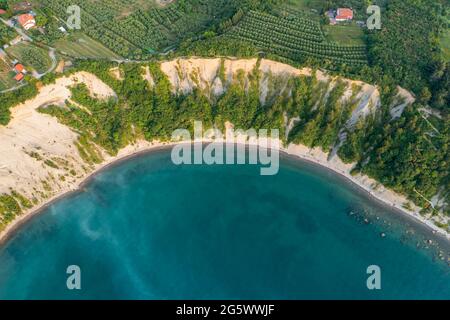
x=315 y=156
x=33 y=133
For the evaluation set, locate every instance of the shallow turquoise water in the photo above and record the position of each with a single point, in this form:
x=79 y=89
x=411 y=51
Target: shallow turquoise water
x=146 y=229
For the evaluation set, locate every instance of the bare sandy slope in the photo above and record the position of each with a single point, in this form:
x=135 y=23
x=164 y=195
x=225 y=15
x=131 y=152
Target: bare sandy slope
x=31 y=133
x=185 y=74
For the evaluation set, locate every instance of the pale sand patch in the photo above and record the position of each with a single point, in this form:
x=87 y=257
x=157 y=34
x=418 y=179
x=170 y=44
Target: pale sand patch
x=97 y=88
x=60 y=67
x=407 y=98
x=148 y=76
x=116 y=73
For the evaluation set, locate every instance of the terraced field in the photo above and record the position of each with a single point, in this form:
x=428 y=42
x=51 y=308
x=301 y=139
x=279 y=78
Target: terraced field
x=136 y=29
x=295 y=38
x=79 y=45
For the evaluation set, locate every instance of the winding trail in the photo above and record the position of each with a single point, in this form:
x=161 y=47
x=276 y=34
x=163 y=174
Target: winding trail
x=52 y=55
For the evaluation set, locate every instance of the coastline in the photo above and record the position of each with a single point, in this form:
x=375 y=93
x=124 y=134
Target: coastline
x=392 y=200
x=29 y=140
x=294 y=151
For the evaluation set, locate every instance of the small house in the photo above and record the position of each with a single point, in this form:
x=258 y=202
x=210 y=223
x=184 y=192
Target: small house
x=344 y=14
x=19 y=77
x=27 y=21
x=19 y=68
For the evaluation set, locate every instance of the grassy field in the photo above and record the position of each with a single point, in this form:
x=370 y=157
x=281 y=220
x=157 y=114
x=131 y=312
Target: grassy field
x=31 y=56
x=306 y=4
x=306 y=8
x=350 y=35
x=79 y=45
x=6 y=76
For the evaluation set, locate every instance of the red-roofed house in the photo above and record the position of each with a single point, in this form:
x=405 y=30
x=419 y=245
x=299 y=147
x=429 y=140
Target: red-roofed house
x=27 y=21
x=2 y=11
x=344 y=14
x=19 y=68
x=19 y=77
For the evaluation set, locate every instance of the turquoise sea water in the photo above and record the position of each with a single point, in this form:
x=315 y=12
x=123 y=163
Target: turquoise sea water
x=147 y=229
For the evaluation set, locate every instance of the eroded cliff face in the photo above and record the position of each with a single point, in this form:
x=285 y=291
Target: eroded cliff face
x=213 y=76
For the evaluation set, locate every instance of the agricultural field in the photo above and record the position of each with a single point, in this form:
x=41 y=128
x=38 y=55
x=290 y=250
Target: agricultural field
x=31 y=56
x=78 y=45
x=6 y=75
x=136 y=29
x=351 y=35
x=295 y=38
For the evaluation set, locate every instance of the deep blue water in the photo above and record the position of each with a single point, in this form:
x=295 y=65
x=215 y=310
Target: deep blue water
x=146 y=229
